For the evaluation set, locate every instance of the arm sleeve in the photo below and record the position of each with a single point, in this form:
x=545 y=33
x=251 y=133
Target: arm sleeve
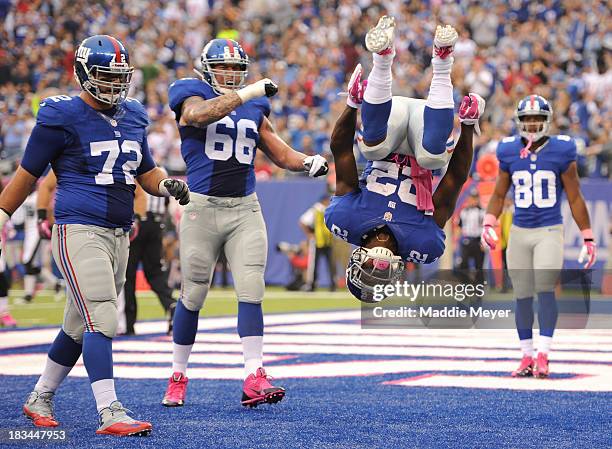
x=147 y=163
x=44 y=146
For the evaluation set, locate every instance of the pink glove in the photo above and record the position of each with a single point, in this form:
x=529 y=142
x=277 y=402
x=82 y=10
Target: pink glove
x=588 y=252
x=356 y=88
x=471 y=109
x=489 y=237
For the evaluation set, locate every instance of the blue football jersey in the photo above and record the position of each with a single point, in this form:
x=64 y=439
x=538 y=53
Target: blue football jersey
x=386 y=197
x=95 y=161
x=536 y=180
x=220 y=158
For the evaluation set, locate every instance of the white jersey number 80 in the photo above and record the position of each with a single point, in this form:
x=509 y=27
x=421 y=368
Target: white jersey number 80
x=528 y=188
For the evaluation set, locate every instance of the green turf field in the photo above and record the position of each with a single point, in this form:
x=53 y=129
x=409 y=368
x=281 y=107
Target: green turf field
x=45 y=310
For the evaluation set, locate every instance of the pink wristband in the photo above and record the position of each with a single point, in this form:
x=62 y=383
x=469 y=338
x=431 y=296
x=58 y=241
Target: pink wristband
x=587 y=234
x=489 y=220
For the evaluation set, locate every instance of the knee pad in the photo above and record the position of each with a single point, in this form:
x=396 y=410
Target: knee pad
x=104 y=318
x=193 y=294
x=76 y=334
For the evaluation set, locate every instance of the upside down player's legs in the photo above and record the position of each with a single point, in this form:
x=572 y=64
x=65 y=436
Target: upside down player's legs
x=376 y=106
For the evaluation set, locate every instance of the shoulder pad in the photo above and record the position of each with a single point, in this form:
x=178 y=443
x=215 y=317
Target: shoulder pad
x=58 y=110
x=137 y=110
x=184 y=88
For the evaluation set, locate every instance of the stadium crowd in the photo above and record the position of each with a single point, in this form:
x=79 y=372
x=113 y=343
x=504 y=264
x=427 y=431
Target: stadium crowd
x=561 y=50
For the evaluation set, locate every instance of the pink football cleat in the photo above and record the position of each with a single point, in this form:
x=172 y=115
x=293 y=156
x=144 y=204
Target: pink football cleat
x=540 y=369
x=525 y=369
x=176 y=391
x=7 y=320
x=257 y=389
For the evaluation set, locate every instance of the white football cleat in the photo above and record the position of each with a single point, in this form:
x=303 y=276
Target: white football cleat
x=444 y=41
x=380 y=38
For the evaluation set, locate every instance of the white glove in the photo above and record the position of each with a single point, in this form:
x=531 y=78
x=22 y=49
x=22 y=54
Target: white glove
x=264 y=87
x=316 y=166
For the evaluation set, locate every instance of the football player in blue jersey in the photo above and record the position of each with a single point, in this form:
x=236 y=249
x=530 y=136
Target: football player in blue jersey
x=97 y=146
x=539 y=166
x=378 y=211
x=222 y=123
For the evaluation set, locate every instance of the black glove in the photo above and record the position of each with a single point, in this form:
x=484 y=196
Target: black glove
x=44 y=227
x=178 y=189
x=271 y=89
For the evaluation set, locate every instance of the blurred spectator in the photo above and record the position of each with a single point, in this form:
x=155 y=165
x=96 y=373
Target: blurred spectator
x=559 y=49
x=312 y=223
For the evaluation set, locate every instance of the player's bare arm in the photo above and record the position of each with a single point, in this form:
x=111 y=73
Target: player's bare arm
x=341 y=145
x=198 y=112
x=156 y=182
x=286 y=157
x=44 y=212
x=571 y=184
x=46 y=189
x=140 y=201
x=496 y=204
x=445 y=196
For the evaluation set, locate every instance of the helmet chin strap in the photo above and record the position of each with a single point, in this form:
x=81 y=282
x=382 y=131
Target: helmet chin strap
x=525 y=151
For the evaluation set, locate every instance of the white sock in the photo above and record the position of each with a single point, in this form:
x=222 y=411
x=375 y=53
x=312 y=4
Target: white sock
x=544 y=344
x=380 y=80
x=104 y=392
x=441 y=89
x=527 y=347
x=3 y=305
x=52 y=376
x=252 y=348
x=180 y=357
x=29 y=284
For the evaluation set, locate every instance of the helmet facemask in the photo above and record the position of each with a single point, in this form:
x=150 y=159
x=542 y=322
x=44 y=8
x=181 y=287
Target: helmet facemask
x=533 y=130
x=372 y=267
x=223 y=79
x=108 y=85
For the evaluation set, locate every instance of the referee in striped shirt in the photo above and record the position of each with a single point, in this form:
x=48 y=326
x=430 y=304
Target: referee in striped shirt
x=470 y=222
x=146 y=248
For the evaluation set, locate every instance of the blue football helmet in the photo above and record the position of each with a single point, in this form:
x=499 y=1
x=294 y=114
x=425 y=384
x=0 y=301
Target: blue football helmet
x=102 y=68
x=223 y=51
x=369 y=270
x=538 y=106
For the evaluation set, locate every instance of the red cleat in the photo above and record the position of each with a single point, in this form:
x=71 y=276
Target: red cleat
x=114 y=420
x=176 y=391
x=525 y=369
x=39 y=408
x=541 y=366
x=257 y=389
